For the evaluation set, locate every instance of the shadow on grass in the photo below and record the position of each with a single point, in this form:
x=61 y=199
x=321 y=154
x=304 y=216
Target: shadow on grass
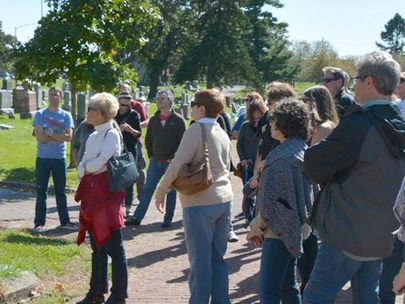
x=22 y=174
x=20 y=238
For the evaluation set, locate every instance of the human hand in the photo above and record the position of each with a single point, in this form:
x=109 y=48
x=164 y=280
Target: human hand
x=125 y=127
x=399 y=282
x=160 y=204
x=254 y=182
x=256 y=240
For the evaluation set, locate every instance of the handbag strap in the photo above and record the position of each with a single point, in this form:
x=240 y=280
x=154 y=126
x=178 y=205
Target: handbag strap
x=206 y=154
x=122 y=139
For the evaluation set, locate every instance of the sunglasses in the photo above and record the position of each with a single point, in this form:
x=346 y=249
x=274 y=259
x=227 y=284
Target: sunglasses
x=193 y=103
x=402 y=80
x=91 y=109
x=124 y=105
x=327 y=80
x=362 y=78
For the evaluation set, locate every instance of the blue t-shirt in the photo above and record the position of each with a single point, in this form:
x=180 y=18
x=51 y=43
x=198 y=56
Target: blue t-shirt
x=239 y=122
x=57 y=123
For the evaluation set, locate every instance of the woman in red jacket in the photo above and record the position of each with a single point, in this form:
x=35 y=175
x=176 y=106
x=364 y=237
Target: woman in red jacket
x=101 y=212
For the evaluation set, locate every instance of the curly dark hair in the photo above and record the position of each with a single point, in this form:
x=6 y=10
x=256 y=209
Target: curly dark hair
x=292 y=118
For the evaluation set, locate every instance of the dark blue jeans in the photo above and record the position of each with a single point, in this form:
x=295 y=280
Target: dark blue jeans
x=391 y=266
x=277 y=280
x=155 y=172
x=99 y=267
x=129 y=192
x=333 y=269
x=44 y=167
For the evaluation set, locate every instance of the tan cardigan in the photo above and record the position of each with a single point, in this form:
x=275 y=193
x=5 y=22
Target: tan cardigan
x=191 y=151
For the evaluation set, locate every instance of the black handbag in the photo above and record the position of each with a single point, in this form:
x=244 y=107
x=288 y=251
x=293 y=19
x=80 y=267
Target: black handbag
x=122 y=171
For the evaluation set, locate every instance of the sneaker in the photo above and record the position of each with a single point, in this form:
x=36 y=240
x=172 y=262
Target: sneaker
x=128 y=212
x=132 y=222
x=232 y=237
x=69 y=226
x=38 y=228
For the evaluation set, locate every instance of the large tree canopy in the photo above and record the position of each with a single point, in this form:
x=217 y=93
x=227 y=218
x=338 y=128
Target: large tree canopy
x=237 y=42
x=81 y=39
x=393 y=36
x=167 y=42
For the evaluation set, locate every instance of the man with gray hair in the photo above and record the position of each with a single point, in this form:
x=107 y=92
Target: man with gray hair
x=335 y=80
x=163 y=136
x=360 y=166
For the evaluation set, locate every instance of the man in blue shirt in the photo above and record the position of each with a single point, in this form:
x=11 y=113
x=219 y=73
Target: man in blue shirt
x=53 y=127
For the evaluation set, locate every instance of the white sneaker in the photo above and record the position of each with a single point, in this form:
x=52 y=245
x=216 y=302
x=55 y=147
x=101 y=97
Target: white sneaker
x=128 y=212
x=232 y=237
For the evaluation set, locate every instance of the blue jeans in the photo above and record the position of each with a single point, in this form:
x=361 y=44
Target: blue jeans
x=129 y=192
x=391 y=266
x=277 y=280
x=43 y=169
x=99 y=267
x=206 y=230
x=333 y=269
x=247 y=174
x=140 y=165
x=155 y=172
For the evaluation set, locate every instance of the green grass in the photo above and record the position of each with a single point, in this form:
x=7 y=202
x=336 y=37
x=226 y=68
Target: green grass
x=8 y=272
x=61 y=266
x=21 y=251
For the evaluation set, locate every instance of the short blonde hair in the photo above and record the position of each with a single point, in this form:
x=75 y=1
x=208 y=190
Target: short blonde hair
x=106 y=103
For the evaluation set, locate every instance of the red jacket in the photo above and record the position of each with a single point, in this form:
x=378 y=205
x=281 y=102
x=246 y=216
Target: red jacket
x=100 y=211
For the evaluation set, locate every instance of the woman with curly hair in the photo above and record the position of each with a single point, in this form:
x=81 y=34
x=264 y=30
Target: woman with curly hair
x=324 y=117
x=284 y=201
x=248 y=139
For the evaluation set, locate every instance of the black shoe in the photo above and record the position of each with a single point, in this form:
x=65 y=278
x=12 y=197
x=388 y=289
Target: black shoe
x=166 y=224
x=92 y=299
x=132 y=222
x=113 y=300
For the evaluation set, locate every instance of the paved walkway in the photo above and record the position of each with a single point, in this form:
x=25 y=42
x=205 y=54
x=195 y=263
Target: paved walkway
x=157 y=258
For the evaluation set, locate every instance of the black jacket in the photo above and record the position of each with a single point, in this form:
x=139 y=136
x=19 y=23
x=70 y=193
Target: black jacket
x=162 y=141
x=132 y=118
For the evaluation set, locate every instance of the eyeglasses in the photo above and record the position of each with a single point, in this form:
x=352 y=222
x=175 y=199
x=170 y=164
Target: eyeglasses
x=355 y=78
x=193 y=104
x=327 y=80
x=124 y=105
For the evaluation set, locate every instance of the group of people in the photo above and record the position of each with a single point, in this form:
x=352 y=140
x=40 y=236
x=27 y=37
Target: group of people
x=326 y=169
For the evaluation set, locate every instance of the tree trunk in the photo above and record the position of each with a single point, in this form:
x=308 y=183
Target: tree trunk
x=74 y=116
x=154 y=83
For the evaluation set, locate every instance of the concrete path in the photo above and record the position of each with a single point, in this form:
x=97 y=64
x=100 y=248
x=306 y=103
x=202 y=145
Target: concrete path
x=157 y=258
